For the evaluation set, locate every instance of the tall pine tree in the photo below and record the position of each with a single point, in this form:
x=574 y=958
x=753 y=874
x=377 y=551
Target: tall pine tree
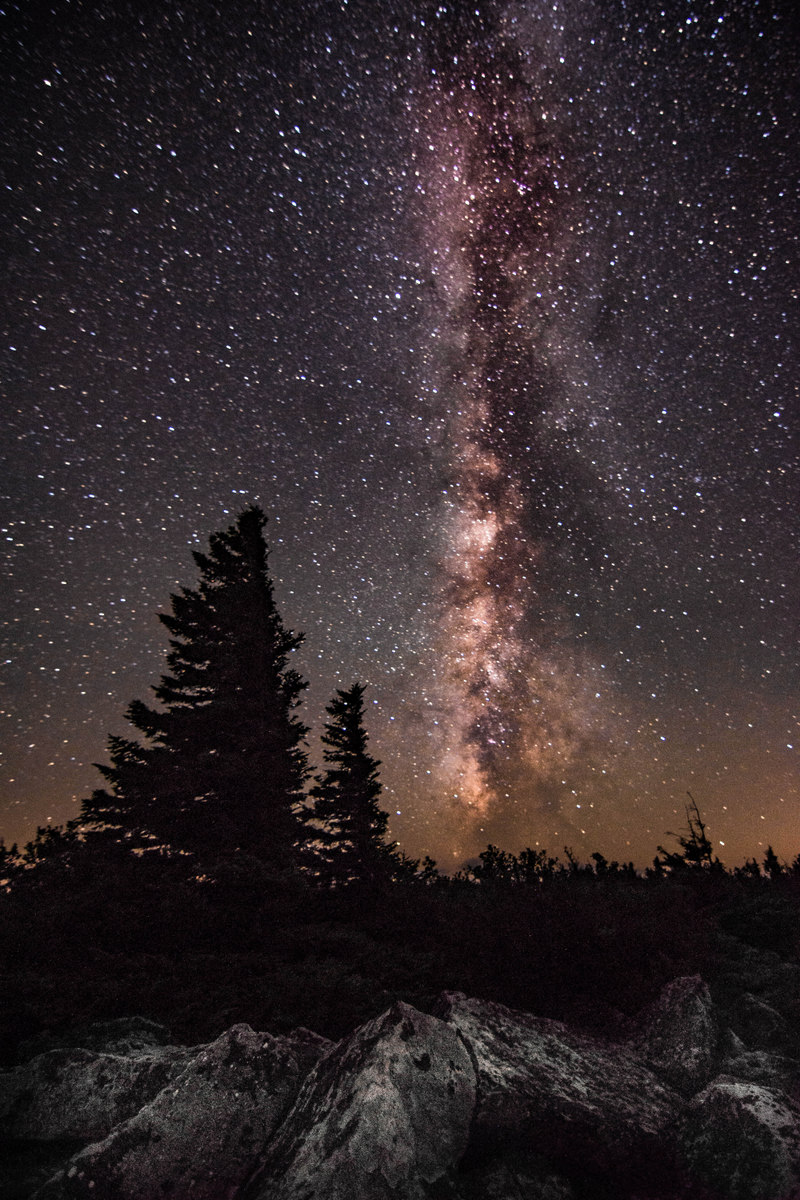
x=351 y=827
x=222 y=765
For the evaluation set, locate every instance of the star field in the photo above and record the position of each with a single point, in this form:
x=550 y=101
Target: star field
x=493 y=310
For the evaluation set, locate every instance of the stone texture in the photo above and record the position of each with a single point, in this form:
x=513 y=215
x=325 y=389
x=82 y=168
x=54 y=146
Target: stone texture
x=741 y=968
x=567 y=1096
x=123 y=1035
x=201 y=1135
x=760 y=1066
x=742 y=1141
x=386 y=1113
x=759 y=1024
x=504 y=1181
x=681 y=1039
x=308 y=1047
x=476 y=1103
x=83 y=1094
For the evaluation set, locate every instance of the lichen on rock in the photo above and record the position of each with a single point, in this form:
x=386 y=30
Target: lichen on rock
x=572 y=1097
x=199 y=1138
x=385 y=1113
x=681 y=1038
x=743 y=1141
x=82 y=1094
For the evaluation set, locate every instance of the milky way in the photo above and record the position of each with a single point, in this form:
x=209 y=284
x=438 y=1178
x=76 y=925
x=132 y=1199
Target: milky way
x=493 y=310
x=506 y=692
x=525 y=715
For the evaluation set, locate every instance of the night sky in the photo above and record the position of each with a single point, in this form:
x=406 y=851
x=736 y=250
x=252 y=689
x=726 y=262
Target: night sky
x=493 y=309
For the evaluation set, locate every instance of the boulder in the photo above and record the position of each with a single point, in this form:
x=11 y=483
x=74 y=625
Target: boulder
x=578 y=1101
x=742 y=1141
x=681 y=1039
x=81 y=1094
x=760 y=1066
x=741 y=968
x=386 y=1113
x=122 y=1035
x=308 y=1047
x=759 y=1024
x=201 y=1135
x=477 y=1102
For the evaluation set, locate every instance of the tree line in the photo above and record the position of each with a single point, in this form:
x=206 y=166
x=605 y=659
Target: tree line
x=216 y=877
x=221 y=767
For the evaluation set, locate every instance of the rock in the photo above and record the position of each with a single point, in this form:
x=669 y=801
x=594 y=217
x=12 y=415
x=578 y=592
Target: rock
x=682 y=1040
x=759 y=1025
x=741 y=969
x=576 y=1100
x=384 y=1114
x=784 y=988
x=503 y=1181
x=124 y=1035
x=478 y=1102
x=81 y=1094
x=759 y=1066
x=742 y=1141
x=732 y=1045
x=308 y=1047
x=202 y=1134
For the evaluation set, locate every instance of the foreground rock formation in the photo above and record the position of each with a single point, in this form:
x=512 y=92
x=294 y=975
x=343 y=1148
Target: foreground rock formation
x=577 y=1100
x=386 y=1113
x=475 y=1100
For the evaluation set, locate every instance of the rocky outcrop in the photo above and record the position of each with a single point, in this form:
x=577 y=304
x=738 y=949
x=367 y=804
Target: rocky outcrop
x=760 y=1066
x=742 y=1141
x=769 y=979
x=201 y=1135
x=574 y=1098
x=384 y=1114
x=681 y=1037
x=760 y=1024
x=123 y=1035
x=81 y=1094
x=476 y=1102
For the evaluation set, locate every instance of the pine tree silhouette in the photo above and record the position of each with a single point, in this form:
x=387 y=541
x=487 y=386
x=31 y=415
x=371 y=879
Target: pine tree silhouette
x=222 y=766
x=351 y=825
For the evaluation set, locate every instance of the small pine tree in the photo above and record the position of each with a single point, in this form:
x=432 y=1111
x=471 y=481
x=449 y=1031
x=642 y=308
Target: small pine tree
x=222 y=765
x=772 y=865
x=350 y=827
